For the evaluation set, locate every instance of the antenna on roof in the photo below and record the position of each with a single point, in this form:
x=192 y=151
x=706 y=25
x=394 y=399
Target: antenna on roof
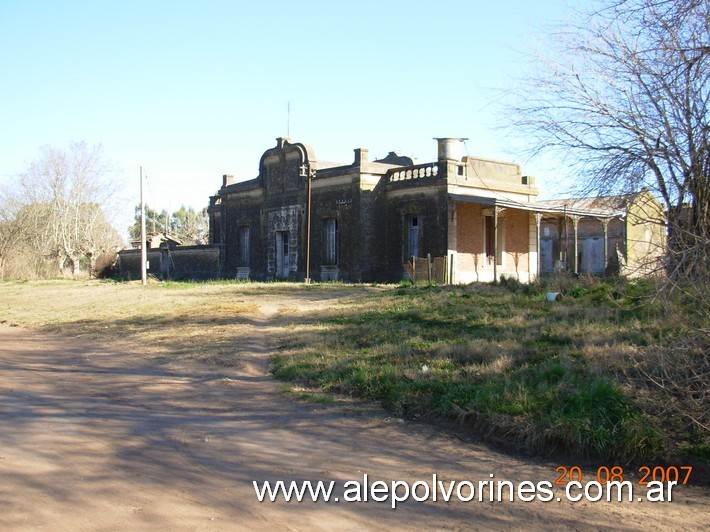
x=288 y=120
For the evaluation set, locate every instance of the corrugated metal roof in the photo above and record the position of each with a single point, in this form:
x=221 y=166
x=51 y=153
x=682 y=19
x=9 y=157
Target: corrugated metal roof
x=596 y=203
x=547 y=207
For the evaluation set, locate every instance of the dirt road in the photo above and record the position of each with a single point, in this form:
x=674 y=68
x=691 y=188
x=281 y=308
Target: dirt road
x=92 y=438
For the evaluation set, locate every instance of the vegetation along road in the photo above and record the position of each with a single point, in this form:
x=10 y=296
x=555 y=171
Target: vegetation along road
x=129 y=407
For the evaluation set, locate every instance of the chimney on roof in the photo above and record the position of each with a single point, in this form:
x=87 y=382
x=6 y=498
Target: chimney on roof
x=227 y=180
x=450 y=149
x=360 y=156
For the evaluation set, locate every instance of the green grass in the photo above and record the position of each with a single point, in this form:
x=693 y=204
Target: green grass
x=196 y=320
x=303 y=395
x=575 y=376
x=511 y=366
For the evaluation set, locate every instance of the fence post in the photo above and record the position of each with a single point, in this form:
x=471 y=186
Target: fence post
x=414 y=271
x=428 y=267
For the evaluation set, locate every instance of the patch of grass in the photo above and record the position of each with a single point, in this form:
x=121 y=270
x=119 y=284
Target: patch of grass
x=499 y=359
x=569 y=376
x=304 y=395
x=698 y=451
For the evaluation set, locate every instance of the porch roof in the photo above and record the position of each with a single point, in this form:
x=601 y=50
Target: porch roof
x=547 y=208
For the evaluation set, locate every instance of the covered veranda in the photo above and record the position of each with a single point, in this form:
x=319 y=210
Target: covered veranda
x=566 y=215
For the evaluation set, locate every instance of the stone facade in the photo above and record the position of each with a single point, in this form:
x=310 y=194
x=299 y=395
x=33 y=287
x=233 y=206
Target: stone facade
x=367 y=221
x=367 y=218
x=164 y=262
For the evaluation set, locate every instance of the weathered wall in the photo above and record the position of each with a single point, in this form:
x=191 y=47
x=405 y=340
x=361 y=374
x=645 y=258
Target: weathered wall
x=645 y=236
x=342 y=203
x=469 y=238
x=429 y=202
x=192 y=262
x=553 y=237
x=188 y=262
x=129 y=263
x=472 y=264
x=516 y=249
x=237 y=213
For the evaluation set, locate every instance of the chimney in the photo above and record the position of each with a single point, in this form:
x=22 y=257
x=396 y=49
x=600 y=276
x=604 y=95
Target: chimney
x=450 y=149
x=360 y=156
x=227 y=180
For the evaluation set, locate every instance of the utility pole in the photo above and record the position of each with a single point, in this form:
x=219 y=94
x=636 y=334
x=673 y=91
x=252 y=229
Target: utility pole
x=310 y=173
x=144 y=251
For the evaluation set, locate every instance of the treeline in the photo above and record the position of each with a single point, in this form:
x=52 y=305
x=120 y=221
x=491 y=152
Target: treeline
x=55 y=218
x=189 y=226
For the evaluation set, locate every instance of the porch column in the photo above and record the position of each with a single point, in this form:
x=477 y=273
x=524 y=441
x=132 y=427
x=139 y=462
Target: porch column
x=452 y=244
x=495 y=243
x=575 y=223
x=605 y=226
x=538 y=219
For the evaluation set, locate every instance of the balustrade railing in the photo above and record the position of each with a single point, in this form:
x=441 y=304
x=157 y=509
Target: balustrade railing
x=420 y=171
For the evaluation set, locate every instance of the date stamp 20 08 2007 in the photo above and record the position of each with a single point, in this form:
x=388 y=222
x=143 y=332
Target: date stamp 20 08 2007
x=645 y=474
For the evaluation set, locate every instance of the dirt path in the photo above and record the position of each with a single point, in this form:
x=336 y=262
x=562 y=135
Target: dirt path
x=96 y=439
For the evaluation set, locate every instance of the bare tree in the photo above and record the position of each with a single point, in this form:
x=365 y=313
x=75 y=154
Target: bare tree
x=11 y=230
x=622 y=98
x=67 y=194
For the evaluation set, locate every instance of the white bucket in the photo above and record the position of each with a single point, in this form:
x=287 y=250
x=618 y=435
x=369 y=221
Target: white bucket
x=554 y=296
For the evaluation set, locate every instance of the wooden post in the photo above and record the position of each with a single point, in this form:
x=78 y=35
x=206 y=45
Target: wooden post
x=605 y=225
x=538 y=219
x=144 y=250
x=428 y=266
x=495 y=243
x=575 y=223
x=566 y=255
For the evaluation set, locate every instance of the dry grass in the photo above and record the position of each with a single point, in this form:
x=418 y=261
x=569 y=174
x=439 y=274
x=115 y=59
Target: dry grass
x=502 y=361
x=203 y=321
x=571 y=375
x=196 y=321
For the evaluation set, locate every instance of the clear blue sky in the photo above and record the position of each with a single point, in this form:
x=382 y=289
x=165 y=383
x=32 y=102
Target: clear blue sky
x=194 y=90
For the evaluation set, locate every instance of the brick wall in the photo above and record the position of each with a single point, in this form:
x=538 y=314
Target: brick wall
x=188 y=262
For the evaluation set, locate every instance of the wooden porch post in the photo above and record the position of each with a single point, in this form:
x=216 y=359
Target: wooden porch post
x=605 y=225
x=575 y=222
x=538 y=219
x=495 y=243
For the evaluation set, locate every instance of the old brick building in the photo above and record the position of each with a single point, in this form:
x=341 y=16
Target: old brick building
x=623 y=234
x=368 y=218
x=476 y=218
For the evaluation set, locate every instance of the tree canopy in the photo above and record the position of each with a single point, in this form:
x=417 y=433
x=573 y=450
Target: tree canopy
x=621 y=96
x=58 y=212
x=190 y=226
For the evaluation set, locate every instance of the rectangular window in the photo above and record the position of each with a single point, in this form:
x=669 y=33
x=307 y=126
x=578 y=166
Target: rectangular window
x=244 y=246
x=331 y=242
x=413 y=237
x=283 y=266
